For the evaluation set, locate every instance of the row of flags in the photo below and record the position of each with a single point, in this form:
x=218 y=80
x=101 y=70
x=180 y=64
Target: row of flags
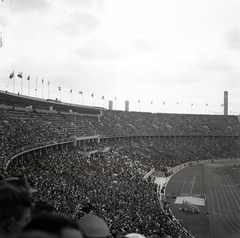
x=80 y=92
x=164 y=103
x=20 y=75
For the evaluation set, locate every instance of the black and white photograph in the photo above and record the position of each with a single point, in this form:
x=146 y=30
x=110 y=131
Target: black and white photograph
x=119 y=119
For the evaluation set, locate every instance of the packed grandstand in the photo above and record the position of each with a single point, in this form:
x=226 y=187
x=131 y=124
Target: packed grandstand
x=85 y=160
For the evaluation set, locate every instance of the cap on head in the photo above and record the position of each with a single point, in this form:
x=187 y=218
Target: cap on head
x=93 y=226
x=134 y=235
x=20 y=182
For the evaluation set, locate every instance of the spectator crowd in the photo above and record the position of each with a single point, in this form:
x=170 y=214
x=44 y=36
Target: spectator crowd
x=111 y=184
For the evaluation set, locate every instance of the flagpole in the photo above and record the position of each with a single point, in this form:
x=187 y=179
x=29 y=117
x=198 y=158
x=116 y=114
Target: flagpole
x=36 y=88
x=222 y=105
x=48 y=89
x=14 y=83
x=81 y=93
x=103 y=98
x=29 y=87
x=22 y=85
x=60 y=89
x=93 y=98
x=42 y=88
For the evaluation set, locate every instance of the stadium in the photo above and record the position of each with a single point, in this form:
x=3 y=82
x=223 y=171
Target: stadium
x=156 y=174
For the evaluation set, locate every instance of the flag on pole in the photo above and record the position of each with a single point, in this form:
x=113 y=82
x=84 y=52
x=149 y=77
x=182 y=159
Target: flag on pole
x=151 y=102
x=115 y=98
x=28 y=78
x=48 y=82
x=42 y=80
x=80 y=92
x=11 y=75
x=163 y=102
x=59 y=88
x=102 y=97
x=222 y=105
x=206 y=104
x=20 y=74
x=71 y=91
x=92 y=95
x=191 y=104
x=139 y=101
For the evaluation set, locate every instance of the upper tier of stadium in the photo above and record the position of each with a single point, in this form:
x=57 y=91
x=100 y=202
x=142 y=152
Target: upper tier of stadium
x=27 y=122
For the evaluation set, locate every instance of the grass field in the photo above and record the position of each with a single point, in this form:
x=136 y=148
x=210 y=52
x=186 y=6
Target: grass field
x=218 y=186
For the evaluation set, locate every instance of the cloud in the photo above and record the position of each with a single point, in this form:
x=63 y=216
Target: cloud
x=72 y=75
x=143 y=45
x=233 y=39
x=216 y=65
x=99 y=50
x=20 y=6
x=79 y=22
x=214 y=62
x=86 y=3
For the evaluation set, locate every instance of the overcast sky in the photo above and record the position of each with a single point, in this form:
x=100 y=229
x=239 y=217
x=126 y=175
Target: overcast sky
x=184 y=53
